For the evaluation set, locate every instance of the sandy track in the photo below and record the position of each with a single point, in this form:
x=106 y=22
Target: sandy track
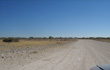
x=81 y=55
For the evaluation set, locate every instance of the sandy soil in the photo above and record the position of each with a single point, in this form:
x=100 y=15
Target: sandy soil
x=80 y=55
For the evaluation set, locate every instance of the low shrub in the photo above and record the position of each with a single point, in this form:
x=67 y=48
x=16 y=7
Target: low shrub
x=10 y=40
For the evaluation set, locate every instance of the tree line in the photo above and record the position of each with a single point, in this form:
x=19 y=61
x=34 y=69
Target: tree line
x=16 y=39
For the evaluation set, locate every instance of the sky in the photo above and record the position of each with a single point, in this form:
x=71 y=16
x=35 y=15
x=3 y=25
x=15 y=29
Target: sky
x=57 y=18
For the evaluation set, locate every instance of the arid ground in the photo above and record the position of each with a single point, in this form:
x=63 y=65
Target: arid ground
x=77 y=55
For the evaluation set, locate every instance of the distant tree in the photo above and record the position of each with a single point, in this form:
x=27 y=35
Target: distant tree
x=75 y=37
x=44 y=37
x=69 y=37
x=31 y=37
x=91 y=37
x=100 y=37
x=60 y=37
x=50 y=37
x=108 y=37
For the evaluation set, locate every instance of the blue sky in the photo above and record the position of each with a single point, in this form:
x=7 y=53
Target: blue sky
x=66 y=18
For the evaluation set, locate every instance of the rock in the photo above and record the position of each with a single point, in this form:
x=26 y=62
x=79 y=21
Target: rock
x=2 y=57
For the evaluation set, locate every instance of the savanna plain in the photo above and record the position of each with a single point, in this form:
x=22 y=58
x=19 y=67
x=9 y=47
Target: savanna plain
x=76 y=54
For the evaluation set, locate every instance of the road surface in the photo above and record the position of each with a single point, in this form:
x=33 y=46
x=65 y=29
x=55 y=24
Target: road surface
x=81 y=55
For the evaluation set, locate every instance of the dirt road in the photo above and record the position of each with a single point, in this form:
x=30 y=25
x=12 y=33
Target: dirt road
x=81 y=55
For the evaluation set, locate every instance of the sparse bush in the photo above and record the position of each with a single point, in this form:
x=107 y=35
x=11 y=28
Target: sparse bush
x=50 y=37
x=10 y=40
x=31 y=37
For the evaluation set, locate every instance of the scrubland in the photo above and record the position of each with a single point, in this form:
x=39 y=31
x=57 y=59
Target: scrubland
x=103 y=40
x=79 y=54
x=30 y=43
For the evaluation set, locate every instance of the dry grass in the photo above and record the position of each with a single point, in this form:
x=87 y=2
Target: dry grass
x=103 y=40
x=30 y=43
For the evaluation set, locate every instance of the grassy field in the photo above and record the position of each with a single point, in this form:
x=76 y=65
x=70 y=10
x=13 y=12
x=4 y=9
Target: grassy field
x=31 y=43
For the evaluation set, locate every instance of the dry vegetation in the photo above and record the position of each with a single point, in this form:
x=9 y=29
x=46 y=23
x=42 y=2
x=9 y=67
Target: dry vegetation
x=23 y=43
x=8 y=44
x=103 y=40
